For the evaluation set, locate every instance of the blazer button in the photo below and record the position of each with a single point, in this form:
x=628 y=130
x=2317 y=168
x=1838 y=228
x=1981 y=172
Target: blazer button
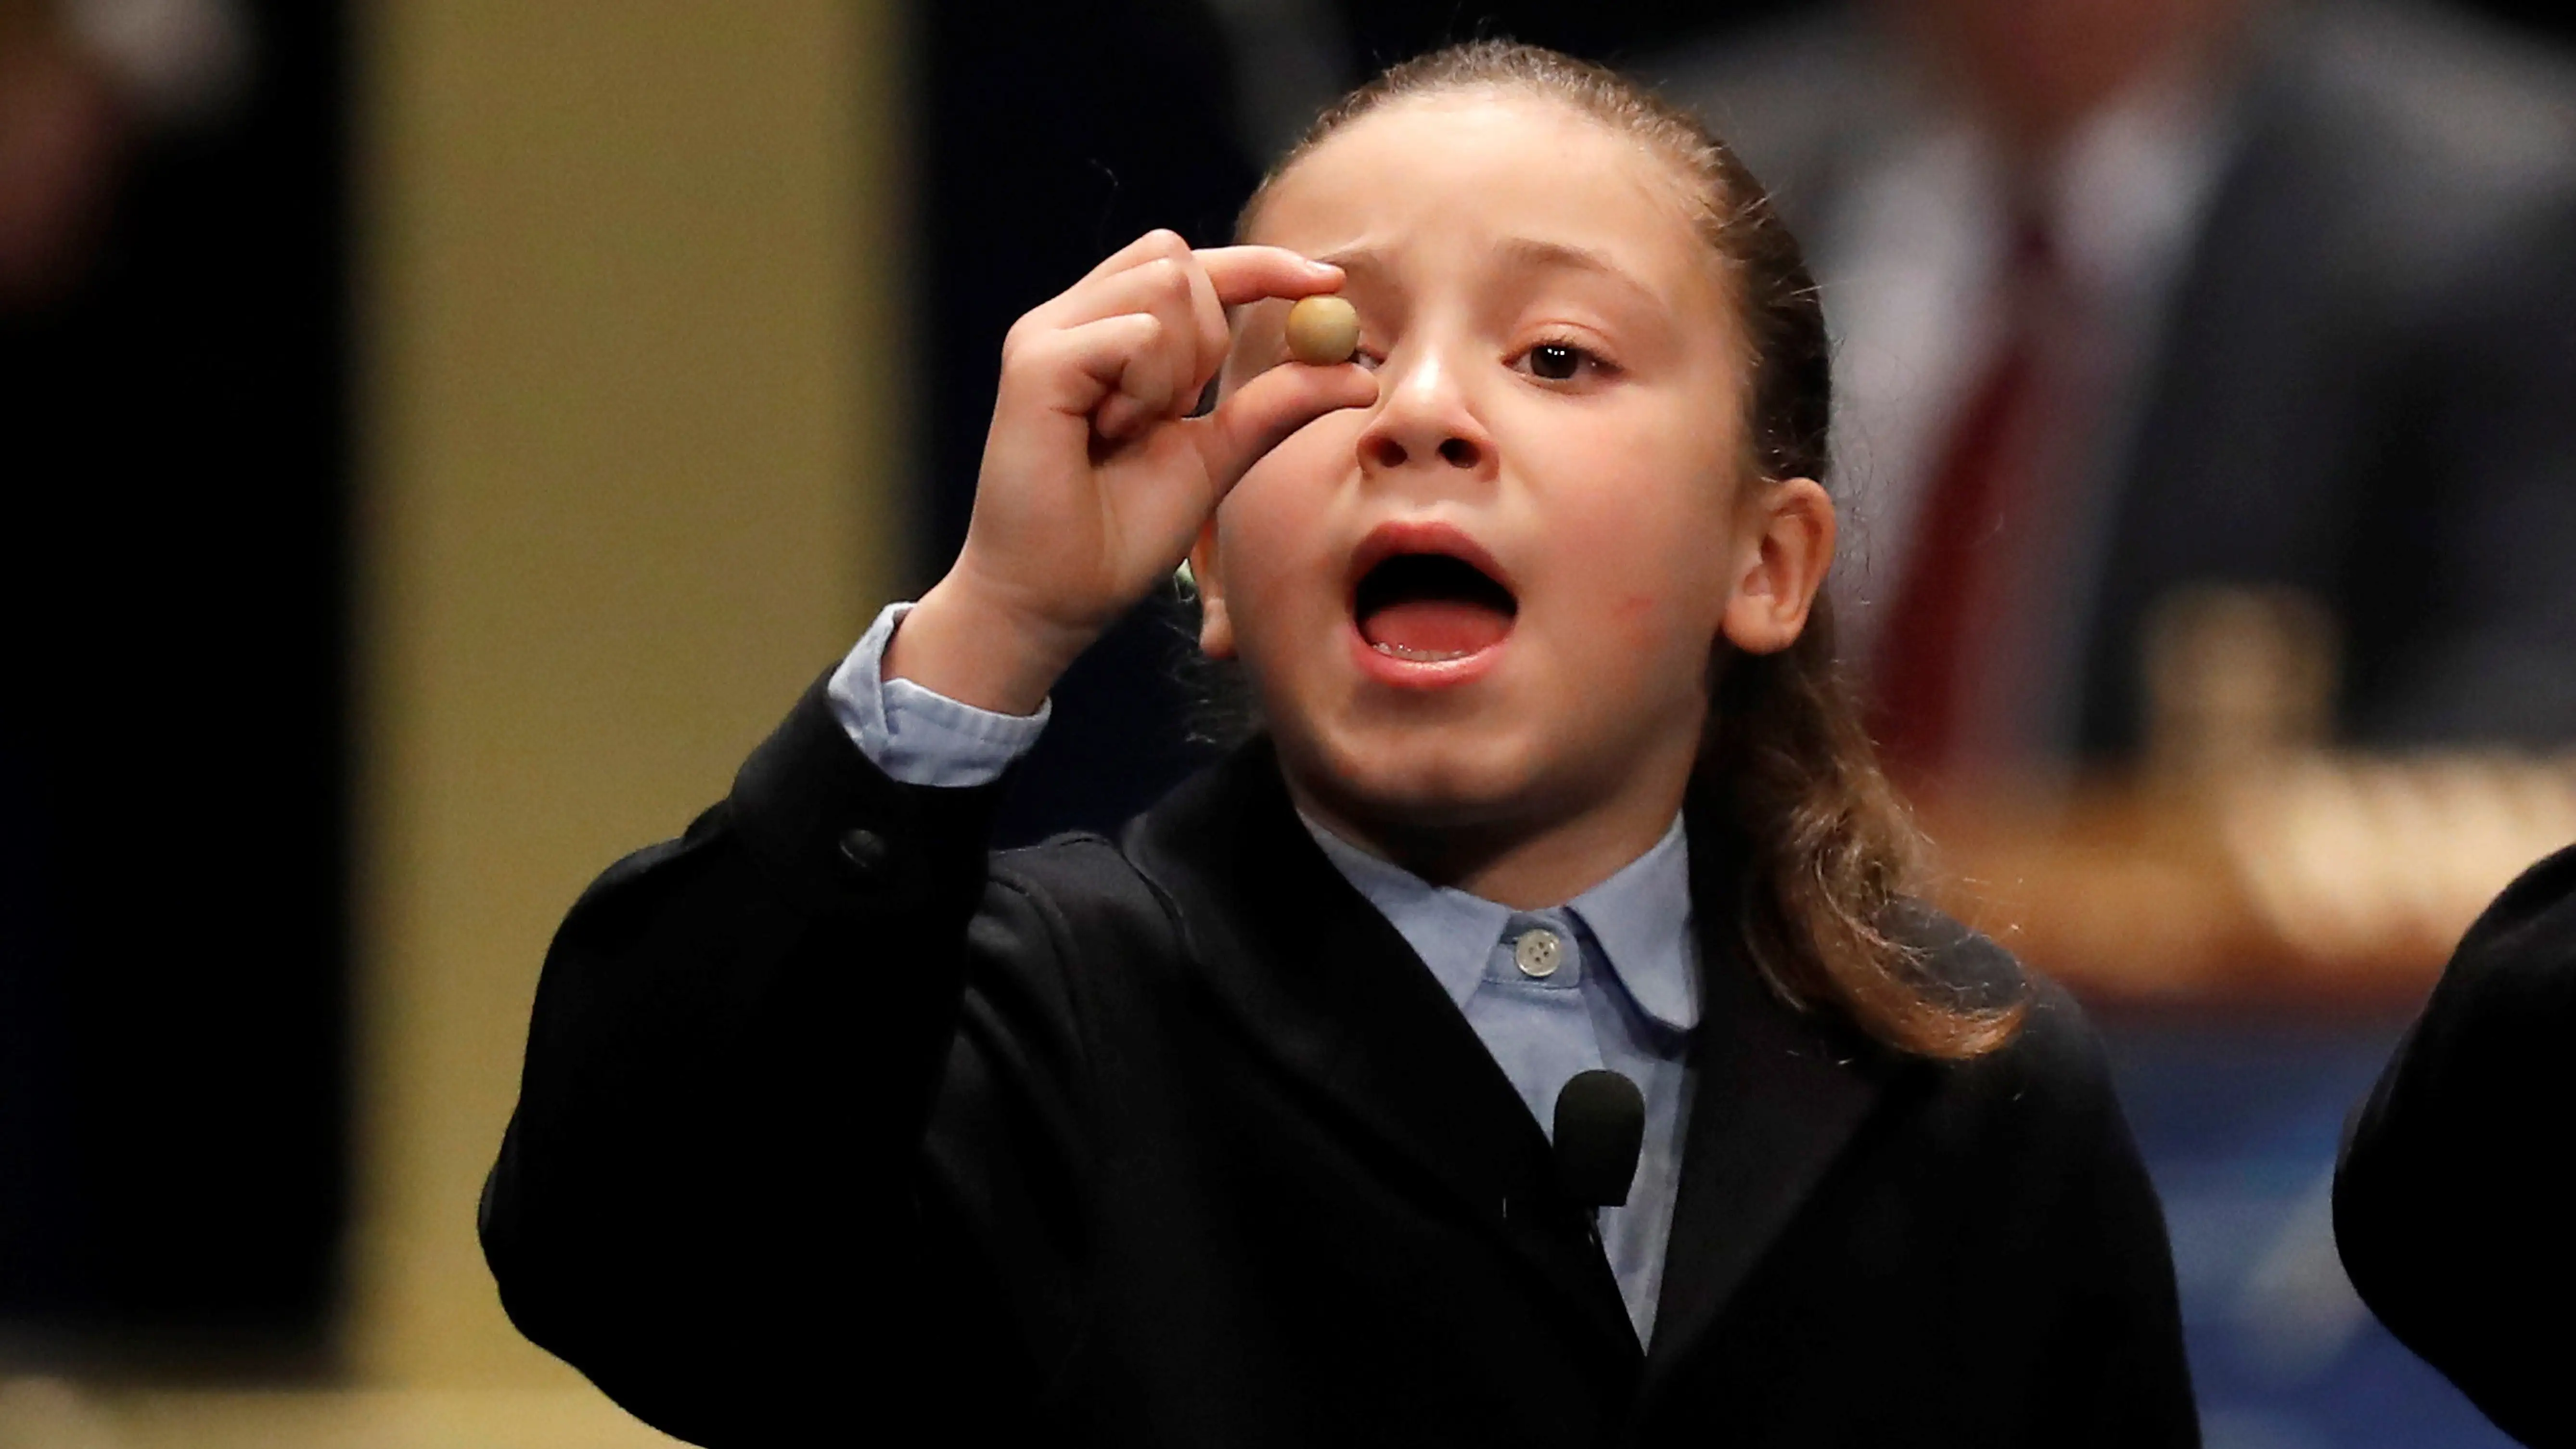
x=867 y=852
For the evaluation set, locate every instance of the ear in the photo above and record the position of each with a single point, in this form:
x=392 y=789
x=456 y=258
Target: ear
x=1787 y=541
x=1216 y=631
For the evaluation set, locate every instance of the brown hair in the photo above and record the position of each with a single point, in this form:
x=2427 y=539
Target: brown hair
x=1785 y=768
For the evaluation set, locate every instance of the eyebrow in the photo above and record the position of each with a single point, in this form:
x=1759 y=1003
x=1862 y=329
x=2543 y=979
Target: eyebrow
x=1527 y=253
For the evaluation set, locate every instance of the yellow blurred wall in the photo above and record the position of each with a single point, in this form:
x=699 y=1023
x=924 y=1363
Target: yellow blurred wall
x=632 y=461
x=629 y=490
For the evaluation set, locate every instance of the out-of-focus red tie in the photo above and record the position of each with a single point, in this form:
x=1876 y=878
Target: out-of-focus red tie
x=1961 y=555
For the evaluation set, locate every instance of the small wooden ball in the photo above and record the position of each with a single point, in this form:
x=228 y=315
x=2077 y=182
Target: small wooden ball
x=1323 y=331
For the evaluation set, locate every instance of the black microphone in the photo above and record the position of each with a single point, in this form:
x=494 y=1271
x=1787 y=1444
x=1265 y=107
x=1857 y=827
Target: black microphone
x=1600 y=1123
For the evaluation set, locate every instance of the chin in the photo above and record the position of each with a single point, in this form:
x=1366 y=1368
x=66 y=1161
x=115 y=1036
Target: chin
x=1433 y=777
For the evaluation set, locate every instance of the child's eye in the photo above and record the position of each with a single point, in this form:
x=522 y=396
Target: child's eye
x=1563 y=362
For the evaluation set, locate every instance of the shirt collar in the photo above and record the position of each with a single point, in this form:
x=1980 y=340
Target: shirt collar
x=1640 y=918
x=1449 y=929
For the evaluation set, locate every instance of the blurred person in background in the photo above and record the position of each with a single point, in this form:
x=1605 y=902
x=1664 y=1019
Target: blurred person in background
x=81 y=84
x=2455 y=1192
x=2267 y=295
x=2171 y=293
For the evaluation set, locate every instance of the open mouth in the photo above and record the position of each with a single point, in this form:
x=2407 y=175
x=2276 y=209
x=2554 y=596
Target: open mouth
x=1430 y=608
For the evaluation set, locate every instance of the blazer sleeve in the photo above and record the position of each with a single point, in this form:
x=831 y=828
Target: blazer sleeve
x=714 y=1196
x=2457 y=1186
x=2117 y=1372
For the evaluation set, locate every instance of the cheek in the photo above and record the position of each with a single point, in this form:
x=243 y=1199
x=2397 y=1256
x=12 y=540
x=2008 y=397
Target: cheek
x=1651 y=548
x=1272 y=553
x=1270 y=527
x=1639 y=620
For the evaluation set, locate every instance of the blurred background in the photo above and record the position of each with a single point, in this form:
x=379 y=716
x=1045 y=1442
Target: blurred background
x=440 y=438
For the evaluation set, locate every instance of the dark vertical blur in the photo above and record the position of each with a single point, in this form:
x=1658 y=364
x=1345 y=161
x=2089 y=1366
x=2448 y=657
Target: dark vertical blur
x=172 y=767
x=1053 y=136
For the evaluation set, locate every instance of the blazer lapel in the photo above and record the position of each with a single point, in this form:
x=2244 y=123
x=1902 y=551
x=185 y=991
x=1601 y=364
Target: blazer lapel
x=1324 y=988
x=1778 y=1095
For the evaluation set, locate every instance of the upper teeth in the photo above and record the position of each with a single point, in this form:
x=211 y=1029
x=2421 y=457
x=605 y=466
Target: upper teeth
x=1419 y=656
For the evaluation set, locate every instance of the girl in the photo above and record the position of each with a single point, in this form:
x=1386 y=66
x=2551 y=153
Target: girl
x=1236 y=1131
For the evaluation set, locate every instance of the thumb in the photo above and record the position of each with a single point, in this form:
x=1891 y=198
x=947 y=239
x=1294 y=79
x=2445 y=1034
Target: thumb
x=1263 y=412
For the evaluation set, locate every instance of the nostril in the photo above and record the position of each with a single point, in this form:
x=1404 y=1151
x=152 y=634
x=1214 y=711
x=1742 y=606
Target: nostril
x=1459 y=453
x=1390 y=453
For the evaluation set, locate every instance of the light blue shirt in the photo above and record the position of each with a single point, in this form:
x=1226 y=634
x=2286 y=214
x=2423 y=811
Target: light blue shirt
x=917 y=736
x=1621 y=992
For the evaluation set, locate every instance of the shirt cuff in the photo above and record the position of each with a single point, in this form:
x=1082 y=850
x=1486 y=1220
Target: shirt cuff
x=919 y=736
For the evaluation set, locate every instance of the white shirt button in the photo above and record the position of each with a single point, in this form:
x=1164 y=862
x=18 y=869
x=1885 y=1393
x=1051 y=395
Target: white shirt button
x=1538 y=952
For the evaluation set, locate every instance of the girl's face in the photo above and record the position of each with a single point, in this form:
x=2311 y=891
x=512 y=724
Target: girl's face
x=1489 y=600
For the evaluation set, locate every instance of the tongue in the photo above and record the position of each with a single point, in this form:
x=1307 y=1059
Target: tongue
x=1434 y=628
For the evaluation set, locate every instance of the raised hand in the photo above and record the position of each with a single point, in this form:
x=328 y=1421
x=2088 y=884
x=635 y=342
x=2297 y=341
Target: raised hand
x=1095 y=478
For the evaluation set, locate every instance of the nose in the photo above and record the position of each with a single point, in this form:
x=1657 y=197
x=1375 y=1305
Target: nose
x=1424 y=417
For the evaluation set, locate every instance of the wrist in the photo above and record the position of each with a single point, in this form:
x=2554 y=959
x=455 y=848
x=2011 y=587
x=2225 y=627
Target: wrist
x=964 y=644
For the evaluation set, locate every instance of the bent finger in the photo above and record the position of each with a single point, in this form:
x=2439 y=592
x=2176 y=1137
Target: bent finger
x=1148 y=389
x=1120 y=283
x=1209 y=329
x=1076 y=369
x=1178 y=290
x=1175 y=289
x=1161 y=242
x=1250 y=273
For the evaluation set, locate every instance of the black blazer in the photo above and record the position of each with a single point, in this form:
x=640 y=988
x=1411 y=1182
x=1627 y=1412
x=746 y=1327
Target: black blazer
x=831 y=1123
x=2455 y=1201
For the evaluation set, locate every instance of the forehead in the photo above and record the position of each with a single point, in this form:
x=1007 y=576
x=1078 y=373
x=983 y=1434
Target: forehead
x=1469 y=167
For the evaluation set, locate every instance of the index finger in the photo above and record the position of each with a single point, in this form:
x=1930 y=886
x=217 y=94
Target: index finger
x=1250 y=273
